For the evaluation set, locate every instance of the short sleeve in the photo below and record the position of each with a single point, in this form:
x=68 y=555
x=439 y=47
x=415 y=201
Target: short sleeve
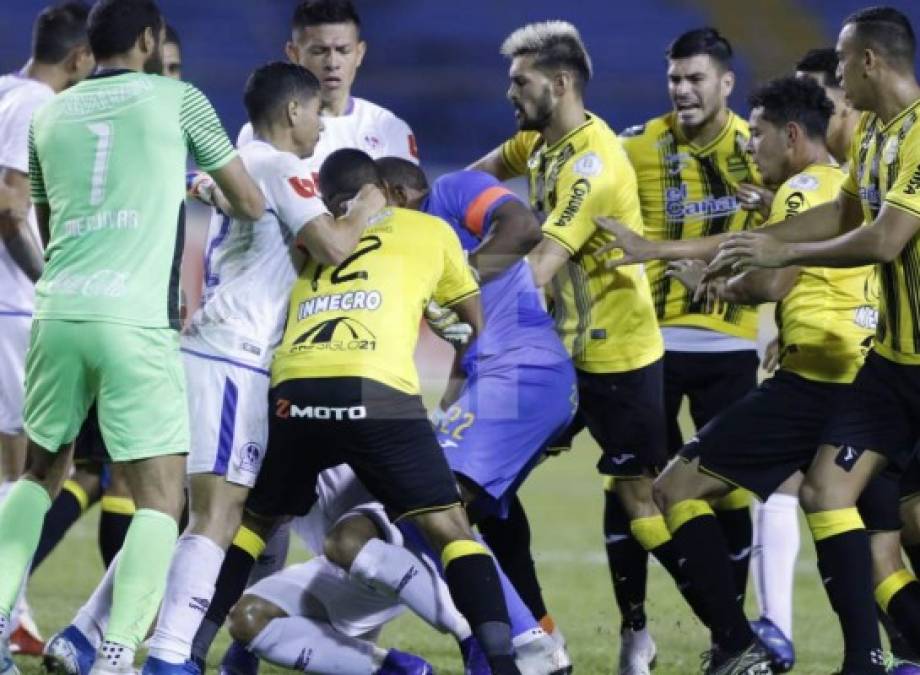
x=583 y=189
x=905 y=192
x=399 y=141
x=516 y=151
x=456 y=282
x=245 y=136
x=472 y=198
x=36 y=177
x=296 y=200
x=14 y=130
x=205 y=136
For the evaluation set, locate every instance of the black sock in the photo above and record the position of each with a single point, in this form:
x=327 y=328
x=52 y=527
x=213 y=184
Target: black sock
x=66 y=509
x=509 y=540
x=738 y=531
x=846 y=569
x=475 y=588
x=114 y=522
x=706 y=566
x=231 y=582
x=904 y=610
x=628 y=563
x=899 y=646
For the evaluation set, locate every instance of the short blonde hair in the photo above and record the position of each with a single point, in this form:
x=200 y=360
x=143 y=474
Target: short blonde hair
x=556 y=44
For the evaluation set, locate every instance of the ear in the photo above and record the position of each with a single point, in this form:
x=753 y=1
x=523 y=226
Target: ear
x=148 y=41
x=292 y=51
x=360 y=50
x=728 y=83
x=562 y=81
x=793 y=133
x=870 y=61
x=397 y=195
x=293 y=112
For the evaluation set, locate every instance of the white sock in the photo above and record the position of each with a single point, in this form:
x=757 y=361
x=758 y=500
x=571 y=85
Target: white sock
x=93 y=617
x=776 y=545
x=315 y=647
x=415 y=581
x=193 y=572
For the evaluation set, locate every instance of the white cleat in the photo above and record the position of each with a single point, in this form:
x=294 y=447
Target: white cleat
x=537 y=653
x=113 y=659
x=638 y=652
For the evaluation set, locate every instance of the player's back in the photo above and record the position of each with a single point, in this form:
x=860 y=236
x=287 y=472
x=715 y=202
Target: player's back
x=361 y=318
x=109 y=159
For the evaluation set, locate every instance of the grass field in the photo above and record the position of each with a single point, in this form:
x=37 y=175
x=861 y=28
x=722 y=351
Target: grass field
x=564 y=501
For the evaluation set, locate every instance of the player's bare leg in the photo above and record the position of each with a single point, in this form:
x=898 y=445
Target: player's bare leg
x=12 y=460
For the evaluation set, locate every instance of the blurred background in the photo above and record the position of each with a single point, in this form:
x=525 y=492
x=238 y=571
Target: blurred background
x=436 y=64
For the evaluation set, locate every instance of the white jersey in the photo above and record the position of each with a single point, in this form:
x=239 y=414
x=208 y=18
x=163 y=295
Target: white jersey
x=250 y=267
x=364 y=126
x=19 y=98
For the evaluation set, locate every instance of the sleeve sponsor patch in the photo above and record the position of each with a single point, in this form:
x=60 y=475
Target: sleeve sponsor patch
x=588 y=165
x=580 y=190
x=636 y=130
x=803 y=181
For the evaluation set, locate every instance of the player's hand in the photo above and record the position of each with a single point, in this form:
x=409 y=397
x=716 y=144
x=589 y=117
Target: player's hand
x=447 y=325
x=635 y=247
x=709 y=294
x=744 y=250
x=200 y=186
x=688 y=272
x=771 y=356
x=755 y=198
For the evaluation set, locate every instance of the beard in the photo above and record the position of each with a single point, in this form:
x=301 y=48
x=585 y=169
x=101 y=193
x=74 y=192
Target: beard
x=542 y=113
x=154 y=64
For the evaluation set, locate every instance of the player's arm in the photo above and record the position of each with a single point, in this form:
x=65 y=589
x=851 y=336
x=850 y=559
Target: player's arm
x=238 y=195
x=330 y=240
x=757 y=286
x=545 y=260
x=513 y=234
x=493 y=163
x=15 y=200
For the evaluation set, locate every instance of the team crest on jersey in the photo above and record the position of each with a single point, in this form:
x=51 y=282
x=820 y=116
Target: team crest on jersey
x=803 y=182
x=588 y=165
x=371 y=142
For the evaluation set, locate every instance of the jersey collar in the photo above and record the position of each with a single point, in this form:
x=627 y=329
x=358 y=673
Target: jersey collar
x=709 y=147
x=584 y=125
x=897 y=118
x=109 y=72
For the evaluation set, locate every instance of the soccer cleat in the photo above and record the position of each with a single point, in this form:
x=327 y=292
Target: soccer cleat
x=780 y=648
x=69 y=653
x=238 y=661
x=401 y=663
x=25 y=642
x=896 y=666
x=155 y=666
x=754 y=660
x=7 y=665
x=474 y=659
x=638 y=652
x=540 y=654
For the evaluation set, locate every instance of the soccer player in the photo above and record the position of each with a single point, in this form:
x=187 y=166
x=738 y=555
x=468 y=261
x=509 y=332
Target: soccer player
x=60 y=57
x=577 y=171
x=692 y=168
x=172 y=54
x=106 y=166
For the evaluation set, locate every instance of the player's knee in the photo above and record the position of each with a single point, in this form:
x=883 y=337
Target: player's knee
x=250 y=616
x=344 y=542
x=886 y=555
x=816 y=496
x=443 y=527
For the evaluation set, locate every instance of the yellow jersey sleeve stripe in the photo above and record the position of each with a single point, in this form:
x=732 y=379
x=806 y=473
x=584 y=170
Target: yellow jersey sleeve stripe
x=468 y=294
x=903 y=206
x=561 y=242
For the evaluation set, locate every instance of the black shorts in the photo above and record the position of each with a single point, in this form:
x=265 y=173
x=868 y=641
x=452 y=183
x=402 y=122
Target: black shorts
x=880 y=411
x=383 y=434
x=768 y=435
x=625 y=414
x=710 y=381
x=89 y=449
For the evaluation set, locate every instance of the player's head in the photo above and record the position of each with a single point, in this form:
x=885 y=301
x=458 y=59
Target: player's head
x=873 y=45
x=326 y=40
x=549 y=65
x=788 y=116
x=405 y=184
x=59 y=39
x=172 y=54
x=700 y=77
x=283 y=99
x=343 y=174
x=128 y=28
x=821 y=66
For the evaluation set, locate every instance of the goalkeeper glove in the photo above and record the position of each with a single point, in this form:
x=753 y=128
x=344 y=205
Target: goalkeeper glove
x=447 y=325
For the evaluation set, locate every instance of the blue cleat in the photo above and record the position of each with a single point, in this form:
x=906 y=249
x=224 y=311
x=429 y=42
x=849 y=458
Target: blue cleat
x=69 y=653
x=155 y=666
x=780 y=648
x=400 y=663
x=474 y=659
x=238 y=661
x=895 y=666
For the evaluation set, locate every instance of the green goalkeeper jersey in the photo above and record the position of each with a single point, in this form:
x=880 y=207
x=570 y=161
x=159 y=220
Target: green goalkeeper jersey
x=108 y=157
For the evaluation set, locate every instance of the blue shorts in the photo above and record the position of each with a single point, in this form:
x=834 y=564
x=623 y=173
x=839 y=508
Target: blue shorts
x=502 y=422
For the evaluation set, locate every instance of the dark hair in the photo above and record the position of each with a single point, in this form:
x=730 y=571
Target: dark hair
x=271 y=86
x=887 y=31
x=700 y=41
x=822 y=61
x=345 y=171
x=554 y=45
x=399 y=171
x=794 y=99
x=172 y=36
x=115 y=25
x=318 y=12
x=57 y=30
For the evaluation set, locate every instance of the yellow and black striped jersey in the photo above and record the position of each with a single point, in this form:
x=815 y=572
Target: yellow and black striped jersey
x=688 y=191
x=885 y=169
x=604 y=317
x=827 y=320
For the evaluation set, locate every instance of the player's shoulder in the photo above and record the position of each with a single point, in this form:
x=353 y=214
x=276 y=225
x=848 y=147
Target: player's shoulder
x=419 y=229
x=374 y=113
x=596 y=152
x=464 y=180
x=650 y=129
x=20 y=97
x=816 y=184
x=738 y=125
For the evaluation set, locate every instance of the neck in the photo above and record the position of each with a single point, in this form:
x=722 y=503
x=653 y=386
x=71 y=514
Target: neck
x=708 y=131
x=840 y=148
x=894 y=96
x=337 y=103
x=810 y=153
x=129 y=61
x=565 y=118
x=276 y=136
x=46 y=73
